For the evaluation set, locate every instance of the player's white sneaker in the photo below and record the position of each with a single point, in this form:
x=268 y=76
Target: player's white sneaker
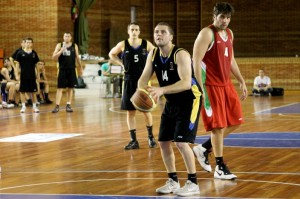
x=169 y=187
x=222 y=172
x=35 y=110
x=188 y=189
x=202 y=155
x=23 y=109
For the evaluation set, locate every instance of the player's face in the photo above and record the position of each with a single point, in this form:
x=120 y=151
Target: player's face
x=134 y=31
x=162 y=36
x=28 y=44
x=222 y=21
x=67 y=38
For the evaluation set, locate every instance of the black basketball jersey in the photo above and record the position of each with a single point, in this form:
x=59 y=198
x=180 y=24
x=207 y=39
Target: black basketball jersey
x=167 y=74
x=27 y=63
x=11 y=74
x=134 y=60
x=67 y=60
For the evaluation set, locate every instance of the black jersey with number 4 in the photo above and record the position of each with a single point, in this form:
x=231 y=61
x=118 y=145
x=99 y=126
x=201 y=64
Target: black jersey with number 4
x=166 y=72
x=134 y=60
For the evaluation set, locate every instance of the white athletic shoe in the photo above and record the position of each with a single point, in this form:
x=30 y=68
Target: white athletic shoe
x=6 y=105
x=35 y=110
x=202 y=155
x=188 y=189
x=169 y=187
x=23 y=109
x=222 y=172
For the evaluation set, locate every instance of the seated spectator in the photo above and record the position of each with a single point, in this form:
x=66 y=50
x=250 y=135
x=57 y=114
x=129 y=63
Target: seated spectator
x=42 y=84
x=105 y=76
x=262 y=85
x=9 y=84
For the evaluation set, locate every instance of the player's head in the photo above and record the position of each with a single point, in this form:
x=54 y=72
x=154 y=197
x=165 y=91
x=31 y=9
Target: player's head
x=28 y=42
x=222 y=13
x=163 y=34
x=133 y=30
x=67 y=37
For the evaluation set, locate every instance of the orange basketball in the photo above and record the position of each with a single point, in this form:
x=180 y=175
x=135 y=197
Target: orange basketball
x=143 y=101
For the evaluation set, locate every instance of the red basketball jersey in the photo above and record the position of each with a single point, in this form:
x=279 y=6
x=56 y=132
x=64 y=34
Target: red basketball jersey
x=217 y=60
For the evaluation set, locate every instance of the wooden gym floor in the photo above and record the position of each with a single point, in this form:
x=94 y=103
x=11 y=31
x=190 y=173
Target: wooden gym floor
x=80 y=155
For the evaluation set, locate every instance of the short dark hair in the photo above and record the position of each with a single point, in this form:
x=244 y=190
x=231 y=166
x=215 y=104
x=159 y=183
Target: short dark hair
x=28 y=39
x=133 y=23
x=168 y=25
x=223 y=8
x=68 y=33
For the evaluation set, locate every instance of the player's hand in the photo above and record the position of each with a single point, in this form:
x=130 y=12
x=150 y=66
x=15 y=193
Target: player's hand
x=155 y=92
x=244 y=91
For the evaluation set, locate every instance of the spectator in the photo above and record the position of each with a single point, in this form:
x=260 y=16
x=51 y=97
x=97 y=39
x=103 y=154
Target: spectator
x=42 y=84
x=105 y=77
x=262 y=84
x=8 y=84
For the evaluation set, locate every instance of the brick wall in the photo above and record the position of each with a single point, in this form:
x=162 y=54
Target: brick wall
x=261 y=29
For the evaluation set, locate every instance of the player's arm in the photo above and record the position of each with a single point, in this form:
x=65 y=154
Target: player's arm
x=4 y=73
x=147 y=72
x=78 y=59
x=150 y=46
x=183 y=60
x=113 y=54
x=201 y=45
x=58 y=51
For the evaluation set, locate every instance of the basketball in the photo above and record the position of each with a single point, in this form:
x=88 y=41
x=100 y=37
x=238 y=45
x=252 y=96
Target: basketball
x=143 y=101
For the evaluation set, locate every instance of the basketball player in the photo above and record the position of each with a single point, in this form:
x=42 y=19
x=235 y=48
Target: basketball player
x=134 y=54
x=179 y=120
x=213 y=61
x=66 y=53
x=26 y=61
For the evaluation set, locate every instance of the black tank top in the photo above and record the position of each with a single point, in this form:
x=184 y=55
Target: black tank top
x=11 y=74
x=68 y=58
x=167 y=74
x=134 y=60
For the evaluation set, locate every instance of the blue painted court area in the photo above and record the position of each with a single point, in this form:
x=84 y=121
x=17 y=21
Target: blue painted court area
x=260 y=139
x=288 y=109
x=40 y=196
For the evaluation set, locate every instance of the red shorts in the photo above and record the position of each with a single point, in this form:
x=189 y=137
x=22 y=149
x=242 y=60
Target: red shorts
x=222 y=109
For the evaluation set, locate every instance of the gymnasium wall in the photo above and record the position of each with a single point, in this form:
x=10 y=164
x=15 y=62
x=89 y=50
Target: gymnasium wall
x=266 y=32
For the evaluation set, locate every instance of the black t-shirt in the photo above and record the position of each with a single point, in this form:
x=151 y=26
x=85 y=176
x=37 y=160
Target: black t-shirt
x=27 y=63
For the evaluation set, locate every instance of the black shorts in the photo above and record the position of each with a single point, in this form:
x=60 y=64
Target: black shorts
x=67 y=78
x=42 y=86
x=28 y=85
x=176 y=122
x=129 y=89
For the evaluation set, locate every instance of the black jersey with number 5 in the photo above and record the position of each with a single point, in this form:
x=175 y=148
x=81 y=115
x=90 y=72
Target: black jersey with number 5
x=134 y=60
